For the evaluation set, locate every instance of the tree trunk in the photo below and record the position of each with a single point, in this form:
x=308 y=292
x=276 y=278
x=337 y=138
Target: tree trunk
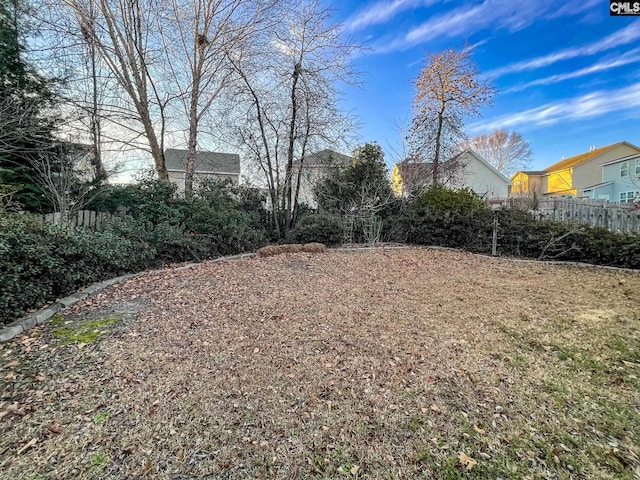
x=95 y=118
x=193 y=143
x=287 y=193
x=156 y=152
x=436 y=157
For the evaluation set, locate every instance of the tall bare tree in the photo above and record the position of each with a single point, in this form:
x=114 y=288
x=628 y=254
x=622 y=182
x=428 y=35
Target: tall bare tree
x=287 y=99
x=448 y=91
x=507 y=152
x=197 y=35
x=124 y=34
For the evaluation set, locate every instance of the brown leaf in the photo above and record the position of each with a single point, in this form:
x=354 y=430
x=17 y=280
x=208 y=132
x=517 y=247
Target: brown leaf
x=180 y=454
x=435 y=408
x=467 y=461
x=128 y=450
x=55 y=428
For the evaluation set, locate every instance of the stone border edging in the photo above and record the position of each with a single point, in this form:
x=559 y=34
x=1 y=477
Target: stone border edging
x=43 y=315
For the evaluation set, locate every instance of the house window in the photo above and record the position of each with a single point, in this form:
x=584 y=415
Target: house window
x=638 y=168
x=624 y=169
x=627 y=197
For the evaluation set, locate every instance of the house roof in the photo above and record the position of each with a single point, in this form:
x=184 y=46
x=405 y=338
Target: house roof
x=486 y=164
x=414 y=170
x=597 y=185
x=583 y=157
x=325 y=158
x=622 y=159
x=206 y=162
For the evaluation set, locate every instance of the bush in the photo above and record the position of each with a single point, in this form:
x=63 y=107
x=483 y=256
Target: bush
x=442 y=199
x=41 y=262
x=461 y=220
x=154 y=226
x=457 y=219
x=321 y=227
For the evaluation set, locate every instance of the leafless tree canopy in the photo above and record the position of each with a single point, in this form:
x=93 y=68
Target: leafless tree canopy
x=286 y=99
x=124 y=35
x=507 y=152
x=447 y=92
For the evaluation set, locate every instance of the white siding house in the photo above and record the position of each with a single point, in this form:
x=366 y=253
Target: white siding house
x=480 y=176
x=208 y=165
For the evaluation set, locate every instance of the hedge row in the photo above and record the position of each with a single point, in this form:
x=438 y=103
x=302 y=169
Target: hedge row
x=39 y=263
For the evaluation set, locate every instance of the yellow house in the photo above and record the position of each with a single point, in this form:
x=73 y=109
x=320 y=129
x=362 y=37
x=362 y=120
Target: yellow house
x=527 y=182
x=571 y=175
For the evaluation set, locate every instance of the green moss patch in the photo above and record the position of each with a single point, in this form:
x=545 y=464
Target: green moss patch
x=82 y=331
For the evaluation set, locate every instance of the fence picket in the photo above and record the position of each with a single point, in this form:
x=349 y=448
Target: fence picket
x=82 y=219
x=612 y=216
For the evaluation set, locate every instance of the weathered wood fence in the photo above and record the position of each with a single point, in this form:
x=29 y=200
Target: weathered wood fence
x=82 y=218
x=619 y=218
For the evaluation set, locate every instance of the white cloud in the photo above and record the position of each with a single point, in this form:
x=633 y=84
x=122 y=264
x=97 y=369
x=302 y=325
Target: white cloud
x=633 y=56
x=381 y=12
x=624 y=36
x=488 y=14
x=591 y=105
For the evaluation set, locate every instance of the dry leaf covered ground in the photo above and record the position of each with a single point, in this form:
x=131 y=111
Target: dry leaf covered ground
x=372 y=364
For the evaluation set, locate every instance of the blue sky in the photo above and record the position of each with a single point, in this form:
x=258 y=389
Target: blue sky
x=567 y=73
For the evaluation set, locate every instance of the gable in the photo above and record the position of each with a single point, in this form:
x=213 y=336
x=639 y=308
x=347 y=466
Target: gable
x=325 y=158
x=481 y=166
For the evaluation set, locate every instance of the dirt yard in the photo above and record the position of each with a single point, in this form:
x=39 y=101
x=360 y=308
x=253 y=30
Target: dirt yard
x=394 y=364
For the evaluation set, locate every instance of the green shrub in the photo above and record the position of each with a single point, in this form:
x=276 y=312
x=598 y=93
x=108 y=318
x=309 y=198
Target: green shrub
x=27 y=262
x=442 y=199
x=457 y=219
x=153 y=226
x=321 y=227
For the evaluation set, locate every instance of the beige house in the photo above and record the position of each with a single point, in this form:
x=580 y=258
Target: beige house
x=313 y=169
x=477 y=174
x=571 y=176
x=208 y=165
x=465 y=170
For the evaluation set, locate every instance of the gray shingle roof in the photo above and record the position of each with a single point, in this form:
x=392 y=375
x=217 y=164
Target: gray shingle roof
x=325 y=158
x=206 y=162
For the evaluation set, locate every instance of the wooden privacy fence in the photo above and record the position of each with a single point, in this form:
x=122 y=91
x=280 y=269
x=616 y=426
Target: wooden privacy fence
x=612 y=216
x=82 y=218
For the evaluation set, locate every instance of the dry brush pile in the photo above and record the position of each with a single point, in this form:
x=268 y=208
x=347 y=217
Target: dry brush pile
x=374 y=364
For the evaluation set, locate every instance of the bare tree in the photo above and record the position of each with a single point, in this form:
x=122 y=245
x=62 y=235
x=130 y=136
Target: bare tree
x=60 y=172
x=507 y=152
x=447 y=92
x=197 y=35
x=123 y=33
x=287 y=100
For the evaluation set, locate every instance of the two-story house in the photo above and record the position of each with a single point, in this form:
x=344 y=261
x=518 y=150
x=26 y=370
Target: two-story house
x=620 y=181
x=574 y=176
x=313 y=169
